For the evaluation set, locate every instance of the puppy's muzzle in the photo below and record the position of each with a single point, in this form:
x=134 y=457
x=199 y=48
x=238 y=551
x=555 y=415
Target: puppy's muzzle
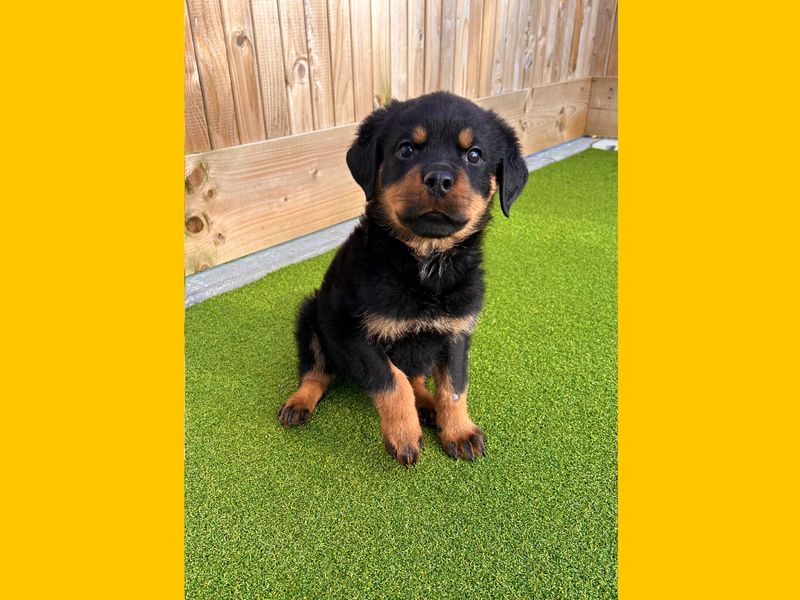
x=435 y=216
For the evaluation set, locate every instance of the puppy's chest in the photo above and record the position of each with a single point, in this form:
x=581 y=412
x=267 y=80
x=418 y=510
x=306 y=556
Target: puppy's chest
x=407 y=316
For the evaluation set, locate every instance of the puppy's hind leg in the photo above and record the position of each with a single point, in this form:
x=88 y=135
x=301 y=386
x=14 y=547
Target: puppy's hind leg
x=315 y=377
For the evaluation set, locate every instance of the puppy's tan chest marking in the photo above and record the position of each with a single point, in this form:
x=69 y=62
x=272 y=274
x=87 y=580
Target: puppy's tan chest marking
x=387 y=329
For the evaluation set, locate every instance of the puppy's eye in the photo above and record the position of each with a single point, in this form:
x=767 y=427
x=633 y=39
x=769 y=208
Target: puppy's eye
x=474 y=156
x=405 y=151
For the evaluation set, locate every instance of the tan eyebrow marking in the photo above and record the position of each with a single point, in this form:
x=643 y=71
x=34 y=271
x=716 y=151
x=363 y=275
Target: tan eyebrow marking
x=465 y=139
x=419 y=135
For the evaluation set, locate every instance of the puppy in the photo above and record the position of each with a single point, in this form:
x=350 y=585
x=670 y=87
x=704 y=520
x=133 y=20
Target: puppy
x=402 y=295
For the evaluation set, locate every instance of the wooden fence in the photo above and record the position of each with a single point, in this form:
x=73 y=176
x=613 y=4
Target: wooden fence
x=274 y=89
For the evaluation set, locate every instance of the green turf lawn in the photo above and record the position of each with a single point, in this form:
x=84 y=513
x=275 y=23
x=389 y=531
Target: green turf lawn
x=321 y=511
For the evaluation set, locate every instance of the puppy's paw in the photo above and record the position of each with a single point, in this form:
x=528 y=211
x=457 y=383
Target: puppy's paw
x=404 y=448
x=295 y=411
x=466 y=442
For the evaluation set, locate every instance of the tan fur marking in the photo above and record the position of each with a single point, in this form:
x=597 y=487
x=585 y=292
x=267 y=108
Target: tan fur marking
x=465 y=139
x=459 y=436
x=399 y=421
x=387 y=329
x=312 y=386
x=398 y=196
x=419 y=135
x=451 y=416
x=410 y=192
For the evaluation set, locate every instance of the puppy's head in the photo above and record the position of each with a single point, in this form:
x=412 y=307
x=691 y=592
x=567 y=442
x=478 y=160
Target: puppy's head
x=433 y=165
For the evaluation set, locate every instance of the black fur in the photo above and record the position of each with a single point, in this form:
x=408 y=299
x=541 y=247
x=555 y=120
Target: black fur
x=376 y=273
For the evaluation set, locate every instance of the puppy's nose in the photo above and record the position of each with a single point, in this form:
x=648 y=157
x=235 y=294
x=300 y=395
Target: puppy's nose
x=439 y=181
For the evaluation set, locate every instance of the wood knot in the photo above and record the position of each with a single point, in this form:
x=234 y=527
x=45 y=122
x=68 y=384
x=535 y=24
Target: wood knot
x=240 y=39
x=210 y=194
x=561 y=122
x=300 y=69
x=220 y=239
x=195 y=224
x=196 y=178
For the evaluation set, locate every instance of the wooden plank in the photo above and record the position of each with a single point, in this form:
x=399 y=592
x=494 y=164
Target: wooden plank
x=319 y=62
x=416 y=48
x=540 y=60
x=602 y=36
x=447 y=45
x=212 y=65
x=246 y=198
x=500 y=41
x=433 y=44
x=272 y=79
x=473 y=64
x=611 y=67
x=361 y=36
x=566 y=32
x=398 y=19
x=582 y=12
x=521 y=49
x=341 y=61
x=381 y=46
x=555 y=32
x=583 y=66
x=295 y=65
x=556 y=113
x=548 y=42
x=461 y=47
x=195 y=128
x=238 y=25
x=529 y=51
x=511 y=44
x=487 y=48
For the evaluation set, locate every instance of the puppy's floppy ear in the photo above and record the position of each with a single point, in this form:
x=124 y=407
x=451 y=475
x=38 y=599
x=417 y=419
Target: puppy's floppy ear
x=512 y=172
x=365 y=155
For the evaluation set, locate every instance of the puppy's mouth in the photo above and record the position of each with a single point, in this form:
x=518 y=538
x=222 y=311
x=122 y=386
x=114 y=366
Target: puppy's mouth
x=433 y=224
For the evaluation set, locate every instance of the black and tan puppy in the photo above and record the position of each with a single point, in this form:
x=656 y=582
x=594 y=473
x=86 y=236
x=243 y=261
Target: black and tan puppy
x=402 y=295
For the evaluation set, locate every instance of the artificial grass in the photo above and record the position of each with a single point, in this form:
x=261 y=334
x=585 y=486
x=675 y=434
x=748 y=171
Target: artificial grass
x=321 y=511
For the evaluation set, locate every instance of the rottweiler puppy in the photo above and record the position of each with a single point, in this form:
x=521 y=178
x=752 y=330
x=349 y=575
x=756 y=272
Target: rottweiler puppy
x=402 y=295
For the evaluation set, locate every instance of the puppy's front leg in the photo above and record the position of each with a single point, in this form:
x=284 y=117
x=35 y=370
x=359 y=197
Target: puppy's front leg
x=392 y=394
x=402 y=434
x=460 y=437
